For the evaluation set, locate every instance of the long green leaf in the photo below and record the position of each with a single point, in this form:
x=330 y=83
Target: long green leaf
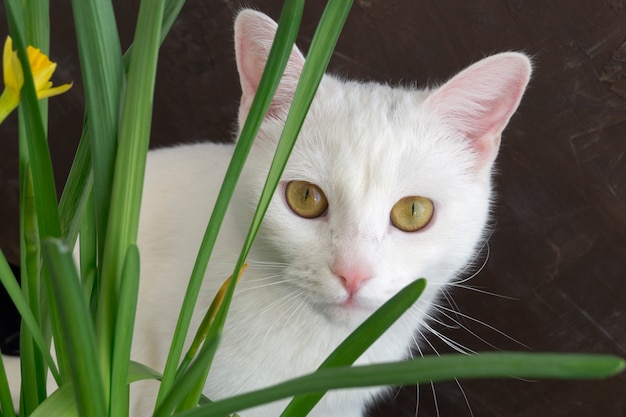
x=77 y=330
x=276 y=63
x=35 y=22
x=61 y=403
x=6 y=402
x=80 y=179
x=315 y=65
x=32 y=366
x=13 y=289
x=124 y=326
x=360 y=340
x=38 y=152
x=103 y=76
x=321 y=49
x=186 y=383
x=422 y=370
x=134 y=137
x=77 y=189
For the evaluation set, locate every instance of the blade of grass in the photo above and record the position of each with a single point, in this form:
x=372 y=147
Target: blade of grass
x=88 y=261
x=77 y=189
x=61 y=403
x=207 y=321
x=35 y=154
x=80 y=178
x=277 y=61
x=124 y=326
x=77 y=330
x=134 y=137
x=427 y=369
x=315 y=65
x=13 y=289
x=139 y=372
x=6 y=402
x=103 y=76
x=188 y=382
x=32 y=366
x=359 y=341
x=322 y=46
x=38 y=158
x=38 y=152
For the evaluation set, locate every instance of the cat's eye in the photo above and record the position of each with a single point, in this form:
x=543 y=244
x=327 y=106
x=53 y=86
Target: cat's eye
x=413 y=213
x=305 y=199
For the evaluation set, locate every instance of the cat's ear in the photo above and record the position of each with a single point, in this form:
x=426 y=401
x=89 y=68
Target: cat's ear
x=254 y=34
x=479 y=101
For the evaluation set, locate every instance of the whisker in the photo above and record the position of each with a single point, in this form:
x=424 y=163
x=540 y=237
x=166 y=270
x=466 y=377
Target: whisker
x=479 y=290
x=247 y=288
x=464 y=397
x=445 y=339
x=467 y=329
x=432 y=387
x=440 y=307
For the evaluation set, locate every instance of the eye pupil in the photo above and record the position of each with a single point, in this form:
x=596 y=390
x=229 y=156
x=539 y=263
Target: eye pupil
x=412 y=213
x=305 y=199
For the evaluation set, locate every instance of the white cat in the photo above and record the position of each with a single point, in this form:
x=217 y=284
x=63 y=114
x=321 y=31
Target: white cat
x=385 y=185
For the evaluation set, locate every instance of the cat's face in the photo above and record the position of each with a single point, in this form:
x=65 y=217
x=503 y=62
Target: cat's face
x=384 y=185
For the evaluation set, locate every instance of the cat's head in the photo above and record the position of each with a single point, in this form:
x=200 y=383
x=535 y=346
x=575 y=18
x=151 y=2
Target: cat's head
x=385 y=185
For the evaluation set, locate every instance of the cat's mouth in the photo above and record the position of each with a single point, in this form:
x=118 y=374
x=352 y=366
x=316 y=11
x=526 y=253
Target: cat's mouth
x=352 y=305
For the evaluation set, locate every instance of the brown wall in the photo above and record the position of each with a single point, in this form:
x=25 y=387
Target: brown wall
x=557 y=256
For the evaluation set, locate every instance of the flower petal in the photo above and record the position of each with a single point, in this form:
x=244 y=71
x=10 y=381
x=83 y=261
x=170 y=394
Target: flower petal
x=6 y=55
x=41 y=67
x=9 y=100
x=55 y=91
x=13 y=76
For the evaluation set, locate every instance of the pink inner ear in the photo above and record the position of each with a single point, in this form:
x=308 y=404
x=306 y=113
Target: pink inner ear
x=254 y=34
x=479 y=101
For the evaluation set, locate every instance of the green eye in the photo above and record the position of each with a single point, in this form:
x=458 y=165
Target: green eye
x=305 y=199
x=413 y=213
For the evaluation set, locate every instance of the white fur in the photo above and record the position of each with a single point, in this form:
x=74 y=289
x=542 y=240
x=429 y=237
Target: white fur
x=366 y=146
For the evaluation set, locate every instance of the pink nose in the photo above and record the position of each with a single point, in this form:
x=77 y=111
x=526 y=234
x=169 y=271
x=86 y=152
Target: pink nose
x=352 y=277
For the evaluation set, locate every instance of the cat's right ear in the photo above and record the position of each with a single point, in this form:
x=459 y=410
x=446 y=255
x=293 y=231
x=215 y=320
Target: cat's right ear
x=254 y=34
x=479 y=101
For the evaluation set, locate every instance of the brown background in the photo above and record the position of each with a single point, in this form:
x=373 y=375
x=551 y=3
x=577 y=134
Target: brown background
x=557 y=258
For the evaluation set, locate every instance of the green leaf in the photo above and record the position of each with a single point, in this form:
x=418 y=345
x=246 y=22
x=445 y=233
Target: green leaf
x=103 y=76
x=38 y=152
x=61 y=403
x=77 y=330
x=427 y=369
x=134 y=137
x=32 y=367
x=77 y=190
x=13 y=289
x=360 y=340
x=6 y=402
x=124 y=325
x=196 y=372
x=277 y=61
x=139 y=372
x=315 y=65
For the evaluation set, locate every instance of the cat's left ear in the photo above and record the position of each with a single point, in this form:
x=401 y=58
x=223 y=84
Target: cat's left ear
x=254 y=34
x=479 y=101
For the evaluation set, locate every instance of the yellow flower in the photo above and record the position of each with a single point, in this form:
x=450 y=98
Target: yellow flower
x=42 y=69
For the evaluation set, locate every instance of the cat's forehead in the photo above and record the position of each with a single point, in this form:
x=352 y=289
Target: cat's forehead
x=366 y=136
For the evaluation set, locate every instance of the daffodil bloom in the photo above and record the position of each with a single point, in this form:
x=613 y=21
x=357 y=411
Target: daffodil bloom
x=42 y=69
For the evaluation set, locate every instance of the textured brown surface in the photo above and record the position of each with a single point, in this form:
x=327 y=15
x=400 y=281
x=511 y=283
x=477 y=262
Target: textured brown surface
x=557 y=255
